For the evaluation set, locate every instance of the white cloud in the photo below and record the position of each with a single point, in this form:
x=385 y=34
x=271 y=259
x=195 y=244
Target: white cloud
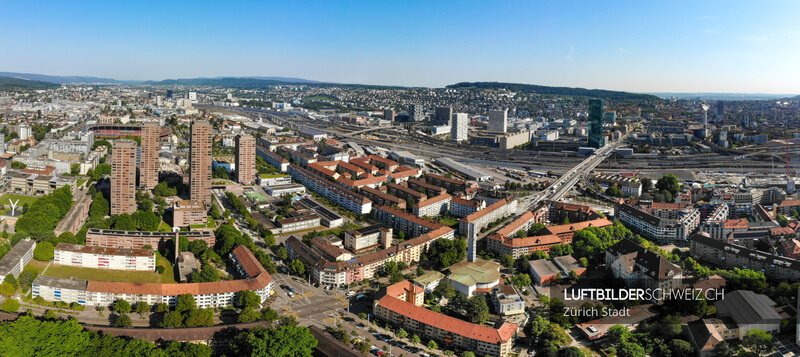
x=707 y=17
x=570 y=54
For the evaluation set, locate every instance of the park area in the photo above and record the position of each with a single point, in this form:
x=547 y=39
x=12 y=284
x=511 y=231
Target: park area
x=126 y=276
x=23 y=200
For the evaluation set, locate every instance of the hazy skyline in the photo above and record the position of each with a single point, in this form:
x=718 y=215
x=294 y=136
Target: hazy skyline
x=676 y=46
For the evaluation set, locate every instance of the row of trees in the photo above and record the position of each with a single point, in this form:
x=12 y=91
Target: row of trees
x=44 y=214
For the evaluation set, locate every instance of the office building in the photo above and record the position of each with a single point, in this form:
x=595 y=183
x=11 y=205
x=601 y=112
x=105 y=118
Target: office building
x=169 y=93
x=245 y=158
x=596 y=139
x=416 y=113
x=443 y=116
x=200 y=162
x=498 y=120
x=123 y=177
x=148 y=169
x=720 y=109
x=459 y=127
x=388 y=114
x=193 y=97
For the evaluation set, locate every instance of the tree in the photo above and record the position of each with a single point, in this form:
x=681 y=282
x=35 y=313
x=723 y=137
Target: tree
x=467 y=354
x=297 y=267
x=10 y=305
x=647 y=184
x=207 y=273
x=507 y=260
x=521 y=280
x=723 y=349
x=668 y=183
x=141 y=308
x=432 y=345
x=269 y=315
x=199 y=317
x=44 y=252
x=630 y=350
x=613 y=191
x=185 y=302
x=171 y=319
x=681 y=348
x=50 y=315
x=282 y=341
x=414 y=339
x=124 y=222
x=16 y=165
x=281 y=253
x=123 y=320
x=162 y=307
x=618 y=334
x=401 y=333
x=7 y=289
x=121 y=306
x=249 y=298
x=756 y=339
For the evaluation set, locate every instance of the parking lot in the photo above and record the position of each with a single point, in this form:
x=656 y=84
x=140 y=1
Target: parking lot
x=785 y=345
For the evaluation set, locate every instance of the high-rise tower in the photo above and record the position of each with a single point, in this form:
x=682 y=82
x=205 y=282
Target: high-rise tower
x=498 y=120
x=459 y=127
x=443 y=116
x=245 y=158
x=123 y=177
x=200 y=162
x=596 y=139
x=148 y=168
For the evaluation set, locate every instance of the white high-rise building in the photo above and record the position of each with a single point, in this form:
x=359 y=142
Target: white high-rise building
x=193 y=97
x=24 y=131
x=498 y=120
x=460 y=127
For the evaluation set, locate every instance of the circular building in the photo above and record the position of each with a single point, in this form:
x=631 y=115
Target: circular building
x=471 y=277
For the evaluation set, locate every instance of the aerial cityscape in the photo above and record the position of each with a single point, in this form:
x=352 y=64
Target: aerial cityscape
x=319 y=180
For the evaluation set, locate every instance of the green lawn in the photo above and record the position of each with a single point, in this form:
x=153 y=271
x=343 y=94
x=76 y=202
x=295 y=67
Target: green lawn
x=80 y=182
x=128 y=276
x=164 y=227
x=14 y=197
x=448 y=222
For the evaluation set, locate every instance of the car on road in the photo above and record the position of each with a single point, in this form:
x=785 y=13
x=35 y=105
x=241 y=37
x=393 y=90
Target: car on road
x=351 y=293
x=290 y=294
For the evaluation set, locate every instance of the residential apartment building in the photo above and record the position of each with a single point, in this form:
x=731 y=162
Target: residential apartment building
x=405 y=193
x=662 y=229
x=726 y=255
x=299 y=223
x=334 y=192
x=430 y=190
x=187 y=213
x=358 y=240
x=245 y=158
x=337 y=273
x=400 y=221
x=274 y=180
x=200 y=162
x=16 y=258
x=149 y=167
x=380 y=198
x=104 y=257
x=642 y=268
x=34 y=184
x=123 y=177
x=136 y=239
x=432 y=207
x=460 y=207
x=507 y=300
x=449 y=332
x=207 y=295
x=273 y=159
x=453 y=186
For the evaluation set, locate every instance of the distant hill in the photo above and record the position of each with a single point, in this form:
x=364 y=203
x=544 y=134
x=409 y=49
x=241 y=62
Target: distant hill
x=65 y=79
x=256 y=83
x=722 y=96
x=10 y=84
x=284 y=79
x=532 y=88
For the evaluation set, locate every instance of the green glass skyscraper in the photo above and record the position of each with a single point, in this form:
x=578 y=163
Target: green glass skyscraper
x=596 y=139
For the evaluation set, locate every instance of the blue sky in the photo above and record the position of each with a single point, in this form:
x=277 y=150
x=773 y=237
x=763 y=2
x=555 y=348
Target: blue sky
x=645 y=46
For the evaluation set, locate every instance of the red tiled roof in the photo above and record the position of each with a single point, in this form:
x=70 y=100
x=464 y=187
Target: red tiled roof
x=512 y=227
x=472 y=217
x=450 y=324
x=572 y=227
x=736 y=223
x=790 y=203
x=431 y=201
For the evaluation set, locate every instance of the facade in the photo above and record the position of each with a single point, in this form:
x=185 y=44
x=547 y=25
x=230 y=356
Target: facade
x=104 y=258
x=510 y=141
x=429 y=280
x=666 y=225
x=123 y=177
x=299 y=223
x=330 y=272
x=596 y=139
x=16 y=258
x=727 y=255
x=443 y=116
x=400 y=221
x=200 y=162
x=642 y=268
x=34 y=184
x=206 y=295
x=430 y=190
x=498 y=120
x=280 y=190
x=460 y=207
x=245 y=158
x=273 y=159
x=271 y=180
x=398 y=309
x=507 y=300
x=188 y=213
x=416 y=112
x=358 y=240
x=453 y=186
x=432 y=207
x=334 y=192
x=148 y=169
x=137 y=240
x=473 y=224
x=459 y=129
x=381 y=198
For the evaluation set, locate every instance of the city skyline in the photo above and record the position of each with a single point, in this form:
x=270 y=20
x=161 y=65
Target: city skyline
x=724 y=47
